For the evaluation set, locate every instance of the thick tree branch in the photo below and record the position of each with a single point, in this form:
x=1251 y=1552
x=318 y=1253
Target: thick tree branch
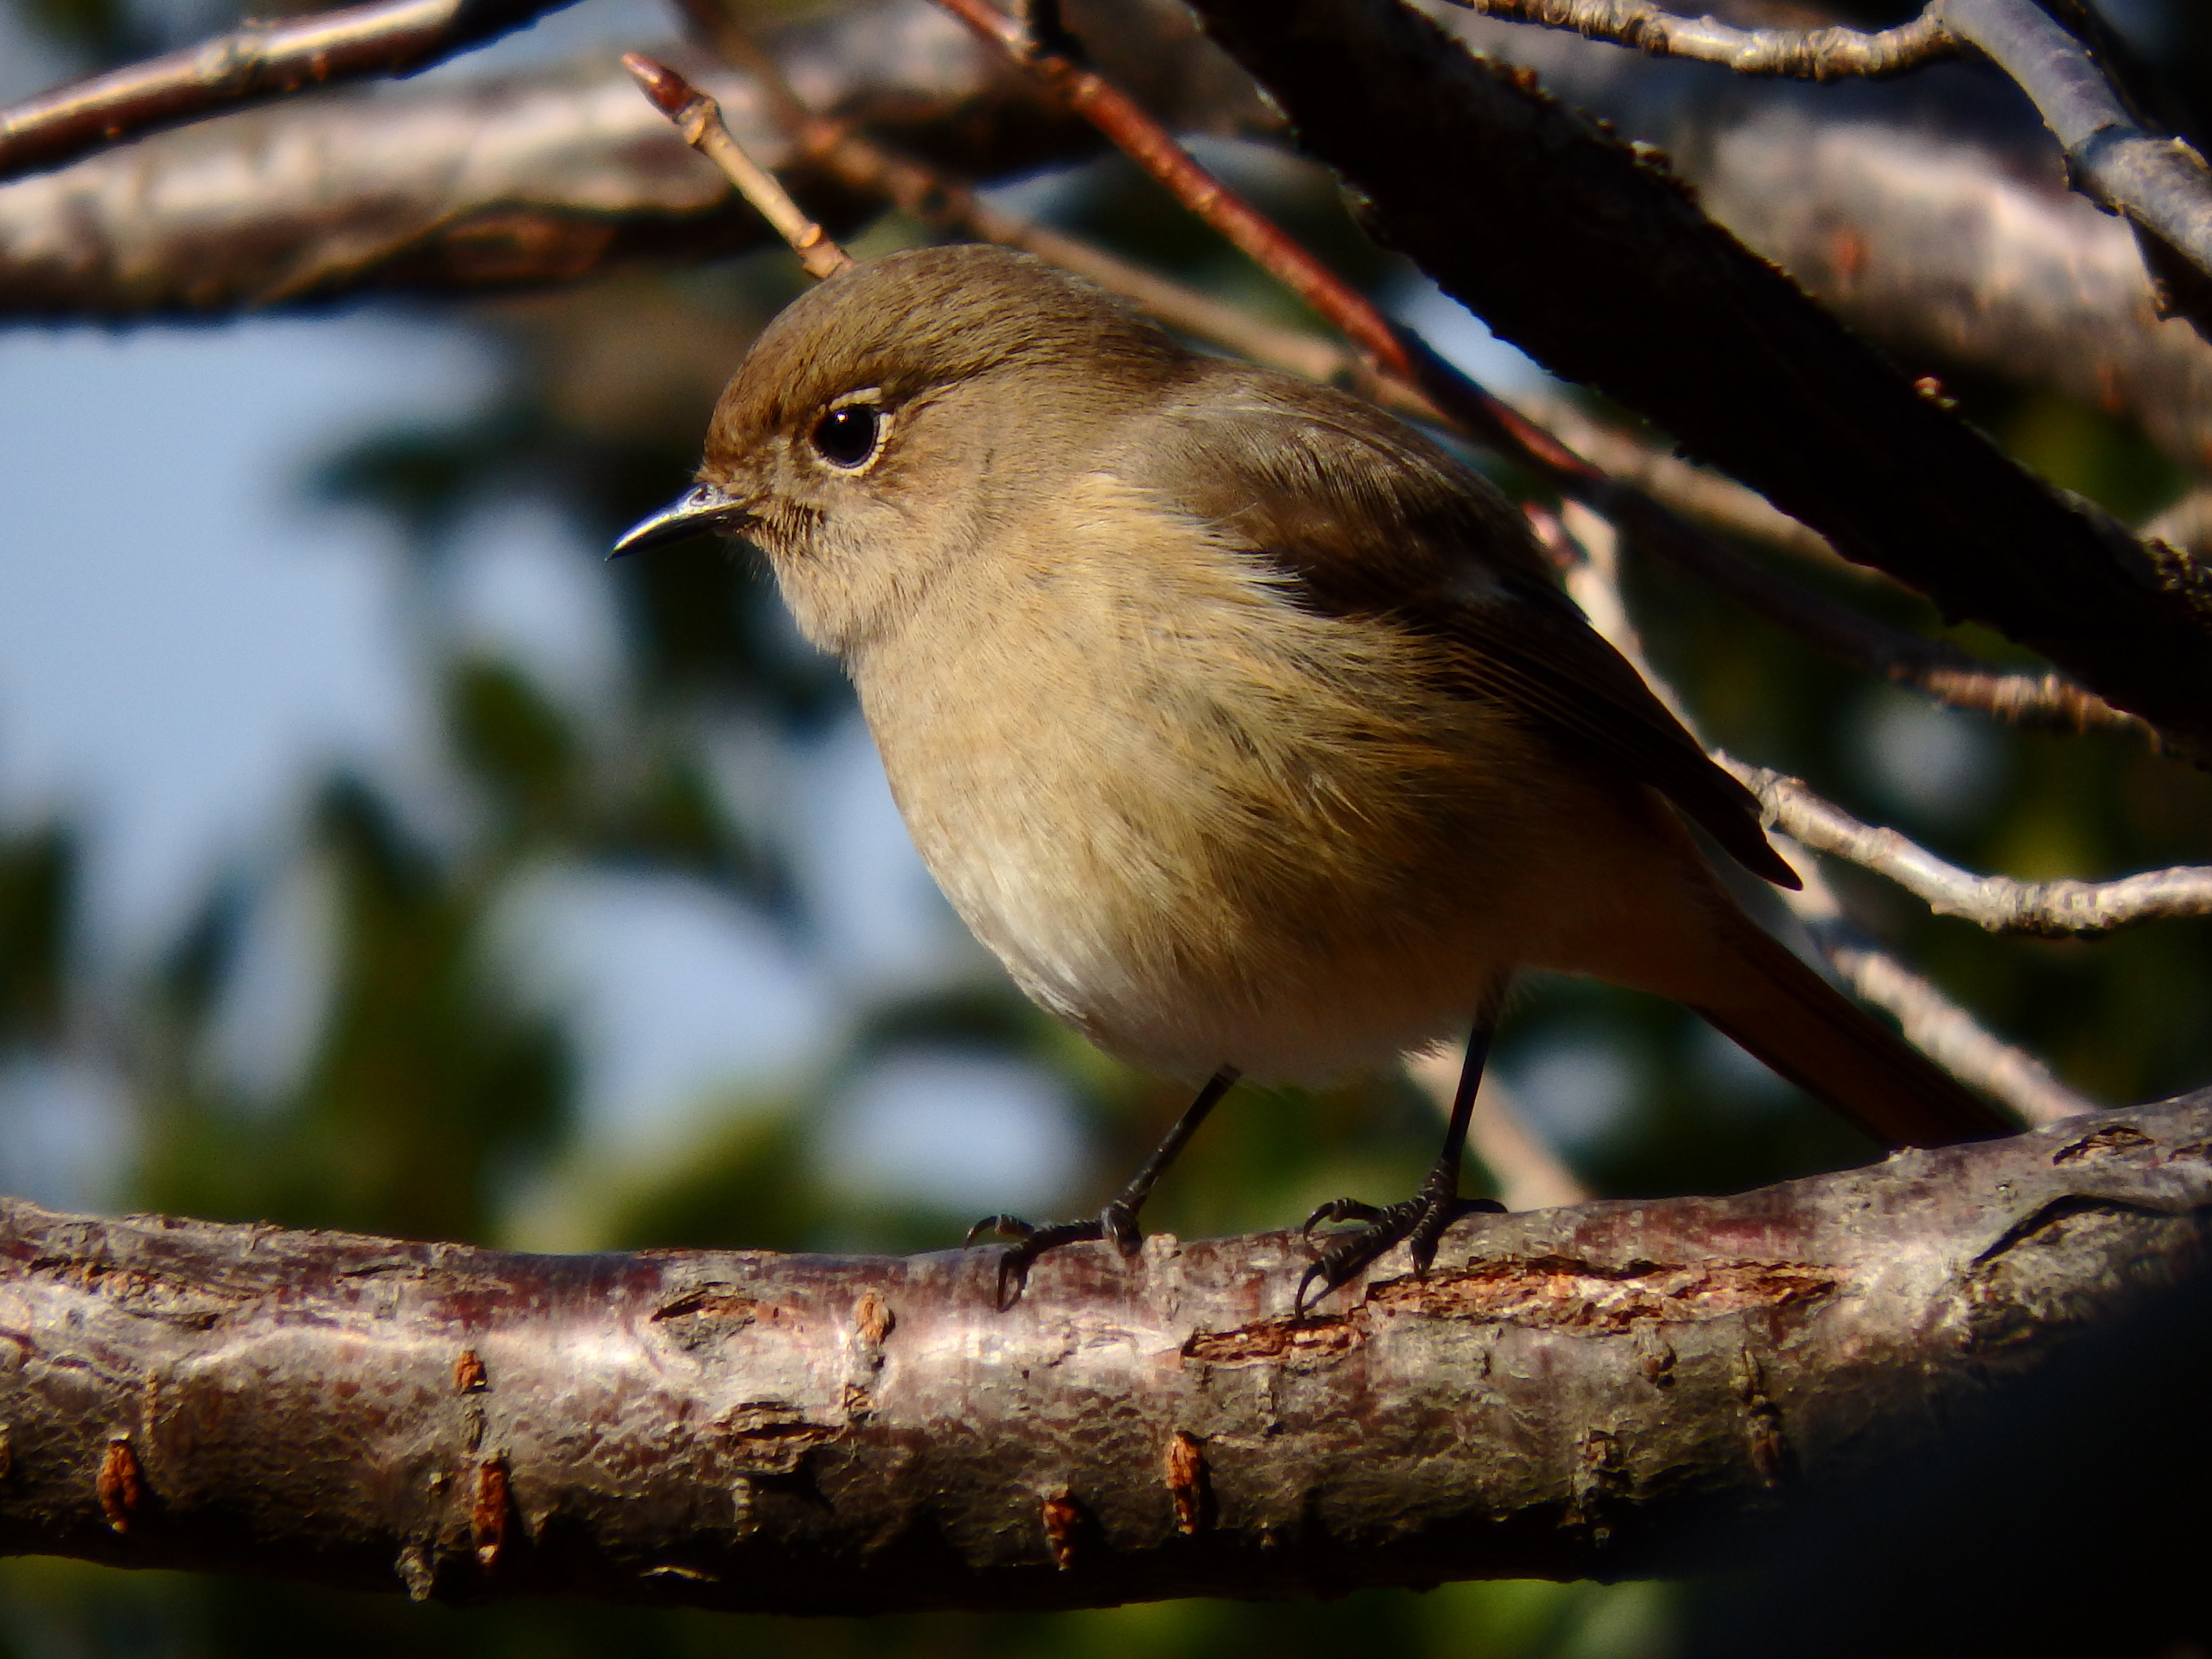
x=1934 y=217
x=2044 y=909
x=1803 y=54
x=252 y=65
x=1614 y=1388
x=1941 y=671
x=2160 y=183
x=1584 y=252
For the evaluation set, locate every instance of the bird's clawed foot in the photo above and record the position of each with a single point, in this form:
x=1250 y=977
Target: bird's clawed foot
x=1419 y=1222
x=1117 y=1221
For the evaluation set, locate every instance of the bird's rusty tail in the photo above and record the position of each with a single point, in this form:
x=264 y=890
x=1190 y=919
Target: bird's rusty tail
x=1800 y=1025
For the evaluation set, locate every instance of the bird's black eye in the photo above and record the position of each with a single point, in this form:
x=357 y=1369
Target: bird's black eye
x=846 y=436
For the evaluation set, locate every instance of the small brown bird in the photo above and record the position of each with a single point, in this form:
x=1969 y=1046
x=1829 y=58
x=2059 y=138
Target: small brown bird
x=1245 y=725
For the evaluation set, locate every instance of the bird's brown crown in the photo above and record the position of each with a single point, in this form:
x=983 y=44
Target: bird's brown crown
x=929 y=318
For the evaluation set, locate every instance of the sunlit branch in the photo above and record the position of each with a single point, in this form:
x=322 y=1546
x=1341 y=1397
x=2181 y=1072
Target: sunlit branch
x=2161 y=183
x=255 y=63
x=1823 y=54
x=699 y=118
x=1575 y=1392
x=1932 y=1022
x=2046 y=909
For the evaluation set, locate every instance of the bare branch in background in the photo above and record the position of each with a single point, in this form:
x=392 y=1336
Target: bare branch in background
x=261 y=61
x=1528 y=1174
x=1610 y=1391
x=1937 y=245
x=537 y=179
x=1928 y=244
x=1804 y=54
x=1932 y=1022
x=1141 y=137
x=2160 y=183
x=2046 y=910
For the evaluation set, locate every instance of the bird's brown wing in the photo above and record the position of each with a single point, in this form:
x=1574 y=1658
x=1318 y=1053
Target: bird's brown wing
x=1365 y=517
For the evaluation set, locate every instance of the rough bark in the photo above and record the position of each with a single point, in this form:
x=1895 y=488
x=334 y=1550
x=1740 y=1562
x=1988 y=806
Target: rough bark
x=1609 y=1389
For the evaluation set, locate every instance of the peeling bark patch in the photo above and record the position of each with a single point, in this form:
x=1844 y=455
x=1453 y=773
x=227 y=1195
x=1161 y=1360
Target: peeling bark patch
x=2114 y=1138
x=1186 y=1466
x=709 y=1314
x=1554 y=1292
x=770 y=1436
x=1274 y=1342
x=872 y=1320
x=468 y=1374
x=1063 y=1519
x=1599 y=1476
x=489 y=1513
x=121 y=1486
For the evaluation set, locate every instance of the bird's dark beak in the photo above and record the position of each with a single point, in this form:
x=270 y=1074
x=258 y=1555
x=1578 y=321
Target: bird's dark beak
x=704 y=508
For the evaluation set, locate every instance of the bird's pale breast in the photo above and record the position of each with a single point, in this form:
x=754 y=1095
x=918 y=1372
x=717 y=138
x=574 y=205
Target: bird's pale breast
x=1199 y=840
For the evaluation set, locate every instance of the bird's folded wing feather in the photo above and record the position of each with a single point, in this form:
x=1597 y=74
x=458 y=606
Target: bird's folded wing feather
x=1365 y=518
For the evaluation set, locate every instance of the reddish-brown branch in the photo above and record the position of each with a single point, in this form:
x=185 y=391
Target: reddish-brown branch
x=1149 y=144
x=699 y=118
x=259 y=61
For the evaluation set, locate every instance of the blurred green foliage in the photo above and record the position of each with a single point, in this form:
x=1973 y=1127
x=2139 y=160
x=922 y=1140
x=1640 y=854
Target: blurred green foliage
x=433 y=1096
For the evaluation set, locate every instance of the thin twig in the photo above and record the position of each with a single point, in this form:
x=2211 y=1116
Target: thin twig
x=2046 y=910
x=700 y=119
x=1824 y=54
x=1529 y=1175
x=251 y=65
x=1149 y=144
x=2160 y=183
x=1933 y=1023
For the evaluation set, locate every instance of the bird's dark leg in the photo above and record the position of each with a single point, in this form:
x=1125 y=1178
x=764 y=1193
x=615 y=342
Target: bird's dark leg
x=1118 y=1220
x=1421 y=1219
